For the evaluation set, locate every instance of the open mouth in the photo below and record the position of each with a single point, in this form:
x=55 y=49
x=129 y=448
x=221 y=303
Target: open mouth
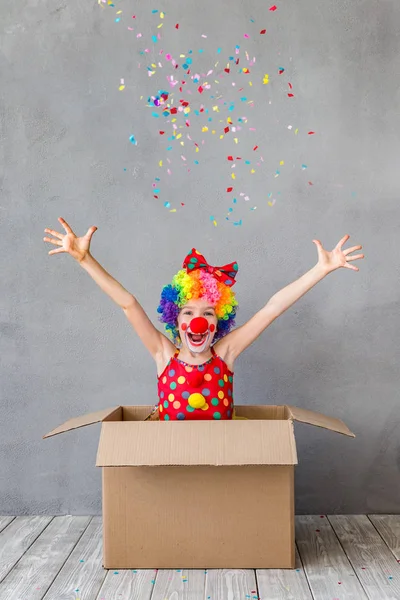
x=197 y=339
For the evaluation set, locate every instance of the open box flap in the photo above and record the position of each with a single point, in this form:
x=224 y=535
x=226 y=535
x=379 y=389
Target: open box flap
x=88 y=419
x=217 y=443
x=320 y=420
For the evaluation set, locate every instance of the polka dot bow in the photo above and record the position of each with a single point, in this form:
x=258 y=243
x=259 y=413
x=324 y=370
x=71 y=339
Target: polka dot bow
x=225 y=274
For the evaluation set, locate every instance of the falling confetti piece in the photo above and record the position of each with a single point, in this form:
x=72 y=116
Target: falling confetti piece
x=311 y=132
x=273 y=8
x=263 y=31
x=132 y=140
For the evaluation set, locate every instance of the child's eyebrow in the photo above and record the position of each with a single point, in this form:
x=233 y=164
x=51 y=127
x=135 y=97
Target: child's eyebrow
x=206 y=308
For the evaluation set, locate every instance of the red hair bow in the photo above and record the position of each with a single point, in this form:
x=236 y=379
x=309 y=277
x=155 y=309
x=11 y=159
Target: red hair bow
x=225 y=274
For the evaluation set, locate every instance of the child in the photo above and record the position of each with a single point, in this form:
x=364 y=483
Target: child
x=198 y=308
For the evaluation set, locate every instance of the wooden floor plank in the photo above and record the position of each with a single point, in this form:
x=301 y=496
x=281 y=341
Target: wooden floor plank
x=38 y=567
x=389 y=528
x=180 y=584
x=373 y=562
x=17 y=537
x=129 y=584
x=328 y=570
x=82 y=574
x=5 y=521
x=60 y=558
x=284 y=584
x=234 y=584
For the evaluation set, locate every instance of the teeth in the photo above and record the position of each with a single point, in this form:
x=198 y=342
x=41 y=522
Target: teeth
x=197 y=338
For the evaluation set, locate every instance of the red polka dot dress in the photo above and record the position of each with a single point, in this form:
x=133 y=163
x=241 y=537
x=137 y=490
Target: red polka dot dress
x=193 y=392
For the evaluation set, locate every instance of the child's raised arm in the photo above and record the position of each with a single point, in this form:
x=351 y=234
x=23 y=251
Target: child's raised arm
x=155 y=341
x=239 y=339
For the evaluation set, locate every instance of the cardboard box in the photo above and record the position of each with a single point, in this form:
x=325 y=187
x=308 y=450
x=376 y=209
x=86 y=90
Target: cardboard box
x=198 y=494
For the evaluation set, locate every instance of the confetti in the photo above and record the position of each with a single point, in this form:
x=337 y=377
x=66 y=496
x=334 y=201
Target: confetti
x=181 y=115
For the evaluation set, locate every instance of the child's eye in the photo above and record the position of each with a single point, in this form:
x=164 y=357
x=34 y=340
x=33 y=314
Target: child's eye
x=209 y=313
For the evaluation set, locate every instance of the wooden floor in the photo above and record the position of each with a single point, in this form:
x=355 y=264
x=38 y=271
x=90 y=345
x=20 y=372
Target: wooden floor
x=338 y=558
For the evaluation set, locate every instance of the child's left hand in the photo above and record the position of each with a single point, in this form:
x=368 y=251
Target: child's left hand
x=330 y=261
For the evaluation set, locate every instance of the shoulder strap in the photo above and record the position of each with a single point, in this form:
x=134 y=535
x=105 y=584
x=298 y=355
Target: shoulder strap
x=213 y=351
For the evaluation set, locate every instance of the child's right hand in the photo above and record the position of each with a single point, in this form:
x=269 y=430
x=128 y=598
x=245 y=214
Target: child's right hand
x=78 y=248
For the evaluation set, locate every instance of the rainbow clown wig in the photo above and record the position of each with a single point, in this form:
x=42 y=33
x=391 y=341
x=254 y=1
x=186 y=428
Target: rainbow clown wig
x=198 y=279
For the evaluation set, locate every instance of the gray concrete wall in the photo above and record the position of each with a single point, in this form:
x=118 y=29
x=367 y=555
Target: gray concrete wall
x=67 y=349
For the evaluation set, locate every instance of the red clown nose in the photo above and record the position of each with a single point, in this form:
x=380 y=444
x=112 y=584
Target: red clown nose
x=199 y=325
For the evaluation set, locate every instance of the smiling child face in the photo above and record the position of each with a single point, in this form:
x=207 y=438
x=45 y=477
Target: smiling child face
x=197 y=342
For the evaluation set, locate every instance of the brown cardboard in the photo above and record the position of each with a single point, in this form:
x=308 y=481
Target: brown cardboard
x=320 y=420
x=216 y=443
x=197 y=494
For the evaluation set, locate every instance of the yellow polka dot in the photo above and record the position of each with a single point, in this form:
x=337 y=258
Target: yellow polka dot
x=226 y=401
x=188 y=369
x=207 y=377
x=181 y=379
x=160 y=408
x=225 y=378
x=220 y=394
x=171 y=397
x=164 y=379
x=205 y=407
x=176 y=404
